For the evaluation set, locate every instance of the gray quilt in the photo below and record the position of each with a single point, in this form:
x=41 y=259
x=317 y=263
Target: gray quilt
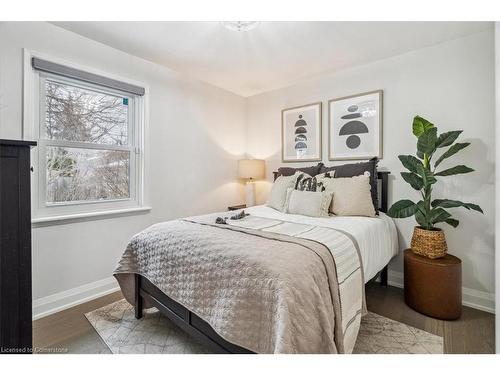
x=266 y=285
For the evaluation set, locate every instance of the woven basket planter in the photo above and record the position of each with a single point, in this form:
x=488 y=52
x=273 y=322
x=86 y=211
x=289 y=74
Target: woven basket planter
x=429 y=243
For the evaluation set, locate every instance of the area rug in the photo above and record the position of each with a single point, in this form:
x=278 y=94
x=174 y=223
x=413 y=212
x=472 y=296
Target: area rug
x=122 y=333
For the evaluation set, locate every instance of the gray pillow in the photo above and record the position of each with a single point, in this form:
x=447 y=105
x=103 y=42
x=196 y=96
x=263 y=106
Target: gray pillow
x=308 y=203
x=357 y=169
x=311 y=171
x=277 y=197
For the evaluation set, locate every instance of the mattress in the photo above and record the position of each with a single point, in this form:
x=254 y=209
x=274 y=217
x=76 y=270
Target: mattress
x=377 y=237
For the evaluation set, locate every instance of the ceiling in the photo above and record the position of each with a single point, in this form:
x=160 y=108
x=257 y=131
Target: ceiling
x=274 y=54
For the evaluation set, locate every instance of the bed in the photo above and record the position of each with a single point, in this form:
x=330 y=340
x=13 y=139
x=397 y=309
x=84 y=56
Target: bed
x=264 y=284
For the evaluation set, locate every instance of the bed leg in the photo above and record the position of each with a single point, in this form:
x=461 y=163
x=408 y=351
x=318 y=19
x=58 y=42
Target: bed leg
x=138 y=298
x=383 y=276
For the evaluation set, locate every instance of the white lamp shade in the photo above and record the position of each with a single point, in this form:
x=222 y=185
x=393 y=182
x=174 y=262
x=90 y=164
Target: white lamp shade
x=251 y=168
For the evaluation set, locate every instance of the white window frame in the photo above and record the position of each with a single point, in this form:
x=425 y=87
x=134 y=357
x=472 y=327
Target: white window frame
x=34 y=92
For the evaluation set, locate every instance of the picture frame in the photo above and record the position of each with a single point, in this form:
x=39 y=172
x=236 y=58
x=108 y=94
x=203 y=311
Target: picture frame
x=355 y=126
x=301 y=133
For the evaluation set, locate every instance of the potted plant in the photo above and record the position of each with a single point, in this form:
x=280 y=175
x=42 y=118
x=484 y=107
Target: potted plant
x=428 y=240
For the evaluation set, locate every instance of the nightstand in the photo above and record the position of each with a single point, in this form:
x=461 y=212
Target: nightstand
x=238 y=207
x=433 y=287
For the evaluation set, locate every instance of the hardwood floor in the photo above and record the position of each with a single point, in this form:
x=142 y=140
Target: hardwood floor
x=69 y=331
x=474 y=332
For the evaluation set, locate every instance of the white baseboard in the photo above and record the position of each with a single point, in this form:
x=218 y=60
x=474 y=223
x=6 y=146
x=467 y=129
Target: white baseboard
x=470 y=297
x=478 y=300
x=72 y=297
x=395 y=278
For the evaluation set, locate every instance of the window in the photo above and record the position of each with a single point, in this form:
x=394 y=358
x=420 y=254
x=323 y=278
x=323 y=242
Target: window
x=88 y=158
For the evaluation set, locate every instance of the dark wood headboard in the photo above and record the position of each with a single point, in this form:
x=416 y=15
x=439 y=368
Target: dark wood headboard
x=383 y=176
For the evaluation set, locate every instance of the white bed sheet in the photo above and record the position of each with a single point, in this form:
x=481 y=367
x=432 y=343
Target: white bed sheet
x=377 y=237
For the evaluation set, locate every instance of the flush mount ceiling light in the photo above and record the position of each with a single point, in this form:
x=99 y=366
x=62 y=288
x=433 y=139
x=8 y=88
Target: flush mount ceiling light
x=240 y=25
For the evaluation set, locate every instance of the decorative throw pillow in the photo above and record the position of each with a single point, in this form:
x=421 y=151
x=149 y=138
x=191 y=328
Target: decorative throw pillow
x=317 y=183
x=308 y=203
x=351 y=196
x=277 y=197
x=357 y=169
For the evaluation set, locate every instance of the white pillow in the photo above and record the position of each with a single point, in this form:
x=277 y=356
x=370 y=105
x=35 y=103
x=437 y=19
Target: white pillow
x=308 y=203
x=277 y=197
x=351 y=196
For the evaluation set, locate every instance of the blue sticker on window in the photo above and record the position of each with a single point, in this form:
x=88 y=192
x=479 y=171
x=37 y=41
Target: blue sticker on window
x=125 y=101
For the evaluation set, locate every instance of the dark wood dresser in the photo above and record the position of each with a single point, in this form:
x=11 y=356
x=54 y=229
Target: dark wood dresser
x=15 y=247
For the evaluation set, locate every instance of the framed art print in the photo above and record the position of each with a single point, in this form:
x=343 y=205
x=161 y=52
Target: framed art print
x=355 y=126
x=301 y=133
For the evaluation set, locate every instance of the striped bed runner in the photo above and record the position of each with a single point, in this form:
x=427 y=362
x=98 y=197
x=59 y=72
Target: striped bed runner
x=346 y=257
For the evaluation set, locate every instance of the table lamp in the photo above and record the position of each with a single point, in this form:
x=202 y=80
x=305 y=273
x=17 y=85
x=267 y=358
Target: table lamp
x=250 y=170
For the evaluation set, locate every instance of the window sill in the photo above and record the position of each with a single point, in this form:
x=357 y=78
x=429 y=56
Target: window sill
x=87 y=216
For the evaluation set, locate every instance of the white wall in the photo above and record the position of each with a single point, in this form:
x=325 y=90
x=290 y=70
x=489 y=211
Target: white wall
x=196 y=134
x=452 y=85
x=497 y=202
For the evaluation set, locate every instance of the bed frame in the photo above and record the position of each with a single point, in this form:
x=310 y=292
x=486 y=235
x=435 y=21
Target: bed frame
x=196 y=327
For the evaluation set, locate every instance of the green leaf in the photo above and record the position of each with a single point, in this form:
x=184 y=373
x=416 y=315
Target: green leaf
x=438 y=215
x=453 y=222
x=410 y=162
x=459 y=169
x=403 y=208
x=447 y=138
x=426 y=143
x=416 y=182
x=427 y=176
x=449 y=203
x=474 y=207
x=420 y=125
x=446 y=203
x=420 y=218
x=420 y=215
x=451 y=151
x=421 y=207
